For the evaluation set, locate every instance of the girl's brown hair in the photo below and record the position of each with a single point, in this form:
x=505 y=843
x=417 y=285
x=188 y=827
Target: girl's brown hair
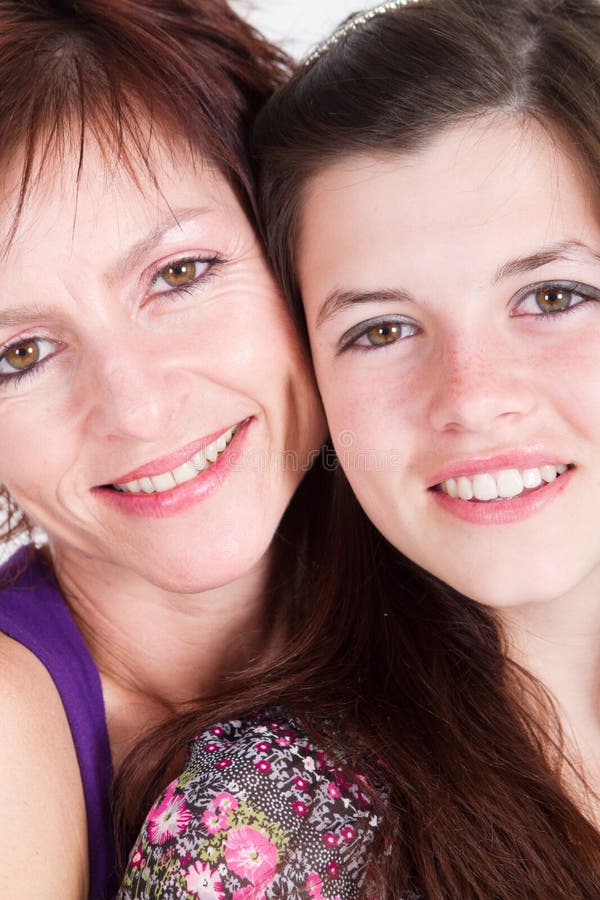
x=468 y=744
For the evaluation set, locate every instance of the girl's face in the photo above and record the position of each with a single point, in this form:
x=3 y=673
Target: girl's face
x=156 y=410
x=453 y=304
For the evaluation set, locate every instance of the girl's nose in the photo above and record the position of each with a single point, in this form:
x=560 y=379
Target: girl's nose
x=478 y=385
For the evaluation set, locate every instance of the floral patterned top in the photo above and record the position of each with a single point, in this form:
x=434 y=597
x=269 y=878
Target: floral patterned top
x=258 y=814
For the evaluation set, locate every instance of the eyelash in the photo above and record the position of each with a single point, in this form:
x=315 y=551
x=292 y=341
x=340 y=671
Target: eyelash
x=170 y=293
x=174 y=293
x=349 y=340
x=586 y=293
x=17 y=377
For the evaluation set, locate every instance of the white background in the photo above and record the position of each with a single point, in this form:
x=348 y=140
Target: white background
x=298 y=24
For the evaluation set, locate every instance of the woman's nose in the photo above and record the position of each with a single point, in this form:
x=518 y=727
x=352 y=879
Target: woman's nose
x=479 y=385
x=137 y=392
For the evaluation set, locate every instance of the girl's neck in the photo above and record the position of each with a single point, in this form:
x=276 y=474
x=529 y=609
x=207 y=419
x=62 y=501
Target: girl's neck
x=558 y=642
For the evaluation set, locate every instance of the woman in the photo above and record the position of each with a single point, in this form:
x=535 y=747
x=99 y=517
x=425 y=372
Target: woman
x=156 y=410
x=431 y=183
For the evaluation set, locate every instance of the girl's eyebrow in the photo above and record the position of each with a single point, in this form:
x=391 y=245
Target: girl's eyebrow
x=551 y=253
x=338 y=300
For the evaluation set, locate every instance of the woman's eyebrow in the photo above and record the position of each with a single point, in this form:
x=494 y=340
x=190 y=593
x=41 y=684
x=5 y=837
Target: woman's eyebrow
x=338 y=300
x=551 y=253
x=22 y=315
x=171 y=221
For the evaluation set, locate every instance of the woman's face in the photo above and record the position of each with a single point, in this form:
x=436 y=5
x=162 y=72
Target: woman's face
x=453 y=303
x=156 y=411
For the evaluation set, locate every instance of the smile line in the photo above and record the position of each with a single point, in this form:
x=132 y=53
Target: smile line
x=191 y=468
x=504 y=484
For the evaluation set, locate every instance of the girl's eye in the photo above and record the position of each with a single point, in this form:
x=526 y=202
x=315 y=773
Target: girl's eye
x=25 y=355
x=378 y=333
x=546 y=299
x=179 y=274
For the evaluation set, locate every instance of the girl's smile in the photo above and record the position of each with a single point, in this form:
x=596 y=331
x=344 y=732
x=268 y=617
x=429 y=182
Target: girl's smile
x=454 y=319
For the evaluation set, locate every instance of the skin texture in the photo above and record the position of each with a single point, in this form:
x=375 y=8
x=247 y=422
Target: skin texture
x=424 y=239
x=132 y=372
x=479 y=372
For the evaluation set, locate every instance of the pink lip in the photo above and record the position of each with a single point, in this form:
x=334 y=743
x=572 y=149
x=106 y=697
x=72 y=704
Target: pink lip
x=511 y=459
x=503 y=512
x=171 y=461
x=185 y=495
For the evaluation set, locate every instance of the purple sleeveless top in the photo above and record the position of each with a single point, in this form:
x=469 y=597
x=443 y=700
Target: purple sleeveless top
x=34 y=613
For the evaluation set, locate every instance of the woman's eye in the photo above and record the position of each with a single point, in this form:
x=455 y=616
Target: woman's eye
x=546 y=299
x=25 y=355
x=180 y=274
x=379 y=334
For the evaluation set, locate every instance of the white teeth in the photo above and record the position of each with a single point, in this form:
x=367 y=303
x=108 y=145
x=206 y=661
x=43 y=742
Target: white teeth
x=199 y=461
x=451 y=487
x=465 y=489
x=505 y=484
x=510 y=483
x=211 y=452
x=532 y=478
x=548 y=473
x=485 y=487
x=165 y=481
x=184 y=473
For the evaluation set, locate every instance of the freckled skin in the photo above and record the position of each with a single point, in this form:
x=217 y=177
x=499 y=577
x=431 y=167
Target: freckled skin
x=477 y=379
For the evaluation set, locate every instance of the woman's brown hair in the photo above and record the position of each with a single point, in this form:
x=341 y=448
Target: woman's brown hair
x=466 y=742
x=119 y=70
x=191 y=72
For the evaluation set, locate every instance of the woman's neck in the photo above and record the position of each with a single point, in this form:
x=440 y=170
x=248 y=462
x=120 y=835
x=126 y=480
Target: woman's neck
x=156 y=651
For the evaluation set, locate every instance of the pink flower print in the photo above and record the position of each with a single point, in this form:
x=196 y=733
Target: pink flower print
x=137 y=857
x=225 y=802
x=348 y=834
x=301 y=809
x=362 y=800
x=301 y=783
x=217 y=731
x=333 y=869
x=214 y=821
x=211 y=747
x=263 y=766
x=263 y=747
x=168 y=818
x=333 y=790
x=249 y=893
x=331 y=839
x=223 y=764
x=204 y=883
x=250 y=854
x=314 y=886
x=283 y=741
